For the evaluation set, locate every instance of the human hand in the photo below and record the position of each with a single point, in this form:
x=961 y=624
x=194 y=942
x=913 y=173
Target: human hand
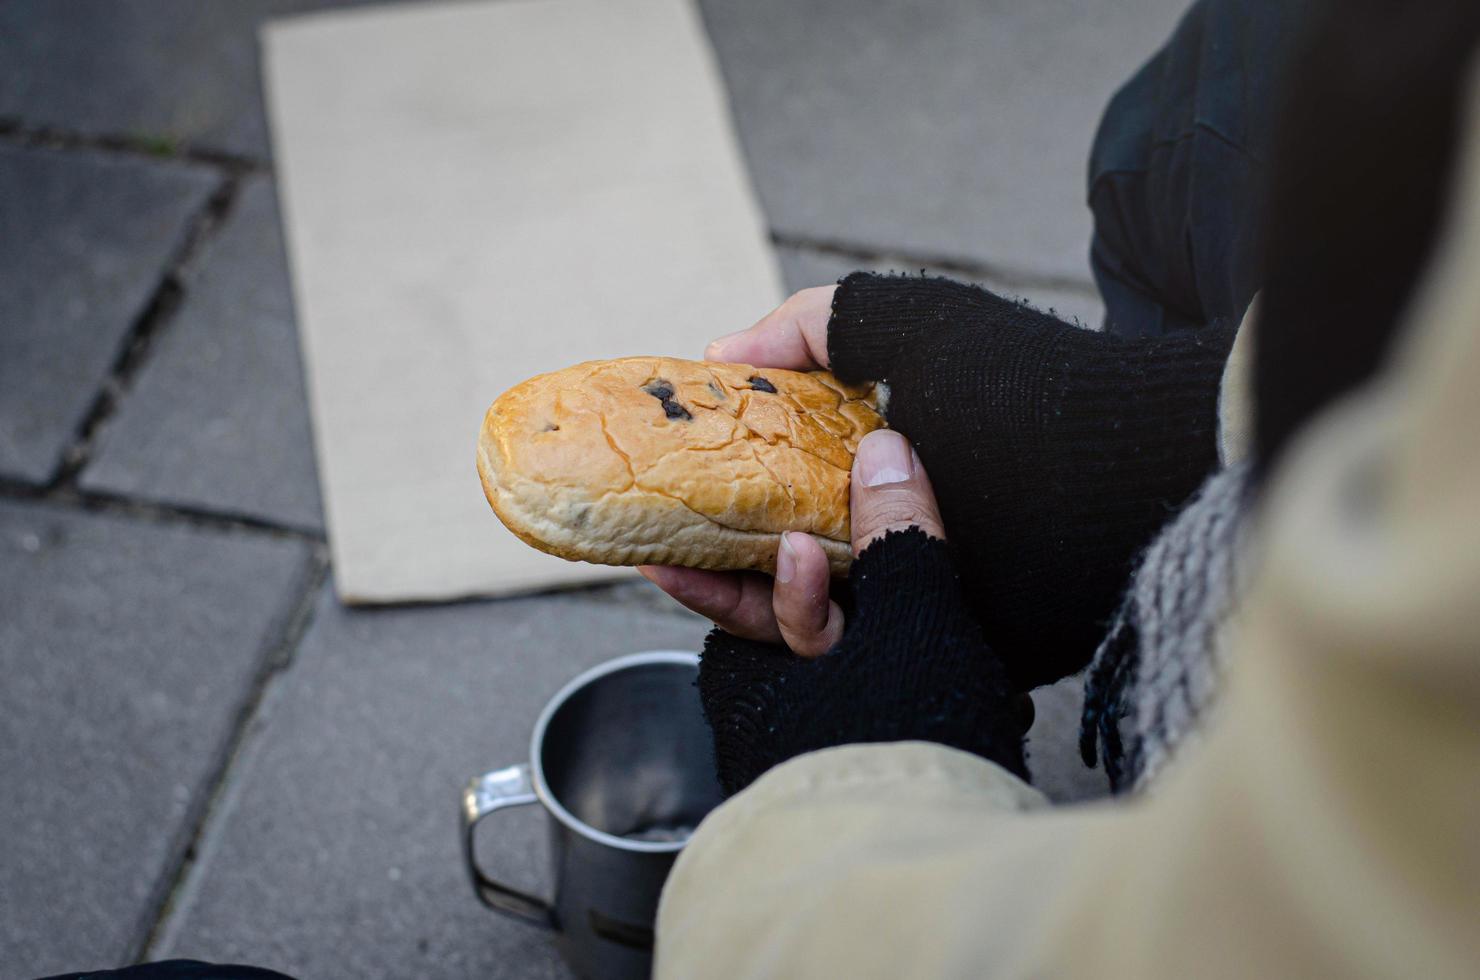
x=794 y=608
x=792 y=336
x=912 y=663
x=889 y=491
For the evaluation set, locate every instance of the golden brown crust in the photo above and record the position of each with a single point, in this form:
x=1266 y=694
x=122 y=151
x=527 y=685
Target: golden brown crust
x=648 y=460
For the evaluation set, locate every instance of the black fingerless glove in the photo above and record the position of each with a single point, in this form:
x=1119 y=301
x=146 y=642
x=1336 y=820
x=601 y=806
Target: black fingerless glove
x=912 y=664
x=1055 y=452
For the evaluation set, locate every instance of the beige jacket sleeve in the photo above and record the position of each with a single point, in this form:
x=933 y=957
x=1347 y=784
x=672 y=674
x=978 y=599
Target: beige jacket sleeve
x=1329 y=824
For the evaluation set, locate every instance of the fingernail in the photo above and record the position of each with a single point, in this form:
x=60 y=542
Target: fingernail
x=716 y=349
x=786 y=560
x=885 y=457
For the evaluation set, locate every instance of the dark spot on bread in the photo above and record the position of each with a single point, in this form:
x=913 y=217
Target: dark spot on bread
x=659 y=389
x=663 y=391
x=551 y=427
x=758 y=383
x=716 y=391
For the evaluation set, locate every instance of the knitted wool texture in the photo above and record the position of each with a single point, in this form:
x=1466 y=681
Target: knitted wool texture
x=1056 y=452
x=1157 y=671
x=912 y=664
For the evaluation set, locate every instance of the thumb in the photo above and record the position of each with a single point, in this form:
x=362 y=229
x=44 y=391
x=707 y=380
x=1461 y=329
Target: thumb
x=890 y=490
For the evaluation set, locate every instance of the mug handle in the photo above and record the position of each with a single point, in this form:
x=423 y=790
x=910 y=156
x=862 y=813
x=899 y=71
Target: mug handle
x=486 y=794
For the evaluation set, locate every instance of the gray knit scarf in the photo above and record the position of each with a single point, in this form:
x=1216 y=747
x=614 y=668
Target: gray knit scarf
x=1156 y=672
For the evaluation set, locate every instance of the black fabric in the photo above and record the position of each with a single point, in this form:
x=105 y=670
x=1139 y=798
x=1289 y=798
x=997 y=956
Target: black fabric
x=1365 y=152
x=1177 y=173
x=1298 y=147
x=912 y=664
x=1056 y=452
x=178 y=970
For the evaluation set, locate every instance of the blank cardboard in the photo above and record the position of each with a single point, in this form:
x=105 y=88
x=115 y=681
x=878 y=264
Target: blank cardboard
x=475 y=193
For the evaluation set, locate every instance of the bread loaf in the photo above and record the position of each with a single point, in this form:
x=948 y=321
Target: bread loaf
x=648 y=460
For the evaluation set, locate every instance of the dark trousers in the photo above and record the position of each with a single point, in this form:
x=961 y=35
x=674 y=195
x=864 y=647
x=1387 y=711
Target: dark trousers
x=1176 y=175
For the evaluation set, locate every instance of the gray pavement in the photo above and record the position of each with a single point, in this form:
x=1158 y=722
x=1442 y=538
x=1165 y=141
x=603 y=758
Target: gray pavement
x=87 y=240
x=165 y=74
x=217 y=419
x=205 y=755
x=950 y=130
x=129 y=650
x=332 y=854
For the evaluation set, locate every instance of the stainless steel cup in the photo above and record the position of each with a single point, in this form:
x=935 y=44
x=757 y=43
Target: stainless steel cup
x=621 y=760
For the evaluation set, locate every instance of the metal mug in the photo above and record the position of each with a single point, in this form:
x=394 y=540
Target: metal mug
x=621 y=761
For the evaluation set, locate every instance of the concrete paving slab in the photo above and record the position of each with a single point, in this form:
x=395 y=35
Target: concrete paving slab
x=335 y=852
x=85 y=239
x=803 y=267
x=168 y=72
x=217 y=419
x=127 y=650
x=954 y=128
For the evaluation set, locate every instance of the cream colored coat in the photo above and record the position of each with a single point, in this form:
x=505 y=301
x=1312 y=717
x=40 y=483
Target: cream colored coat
x=1328 y=825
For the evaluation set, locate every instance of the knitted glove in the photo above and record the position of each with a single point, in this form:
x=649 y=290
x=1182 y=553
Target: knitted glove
x=1056 y=452
x=911 y=665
